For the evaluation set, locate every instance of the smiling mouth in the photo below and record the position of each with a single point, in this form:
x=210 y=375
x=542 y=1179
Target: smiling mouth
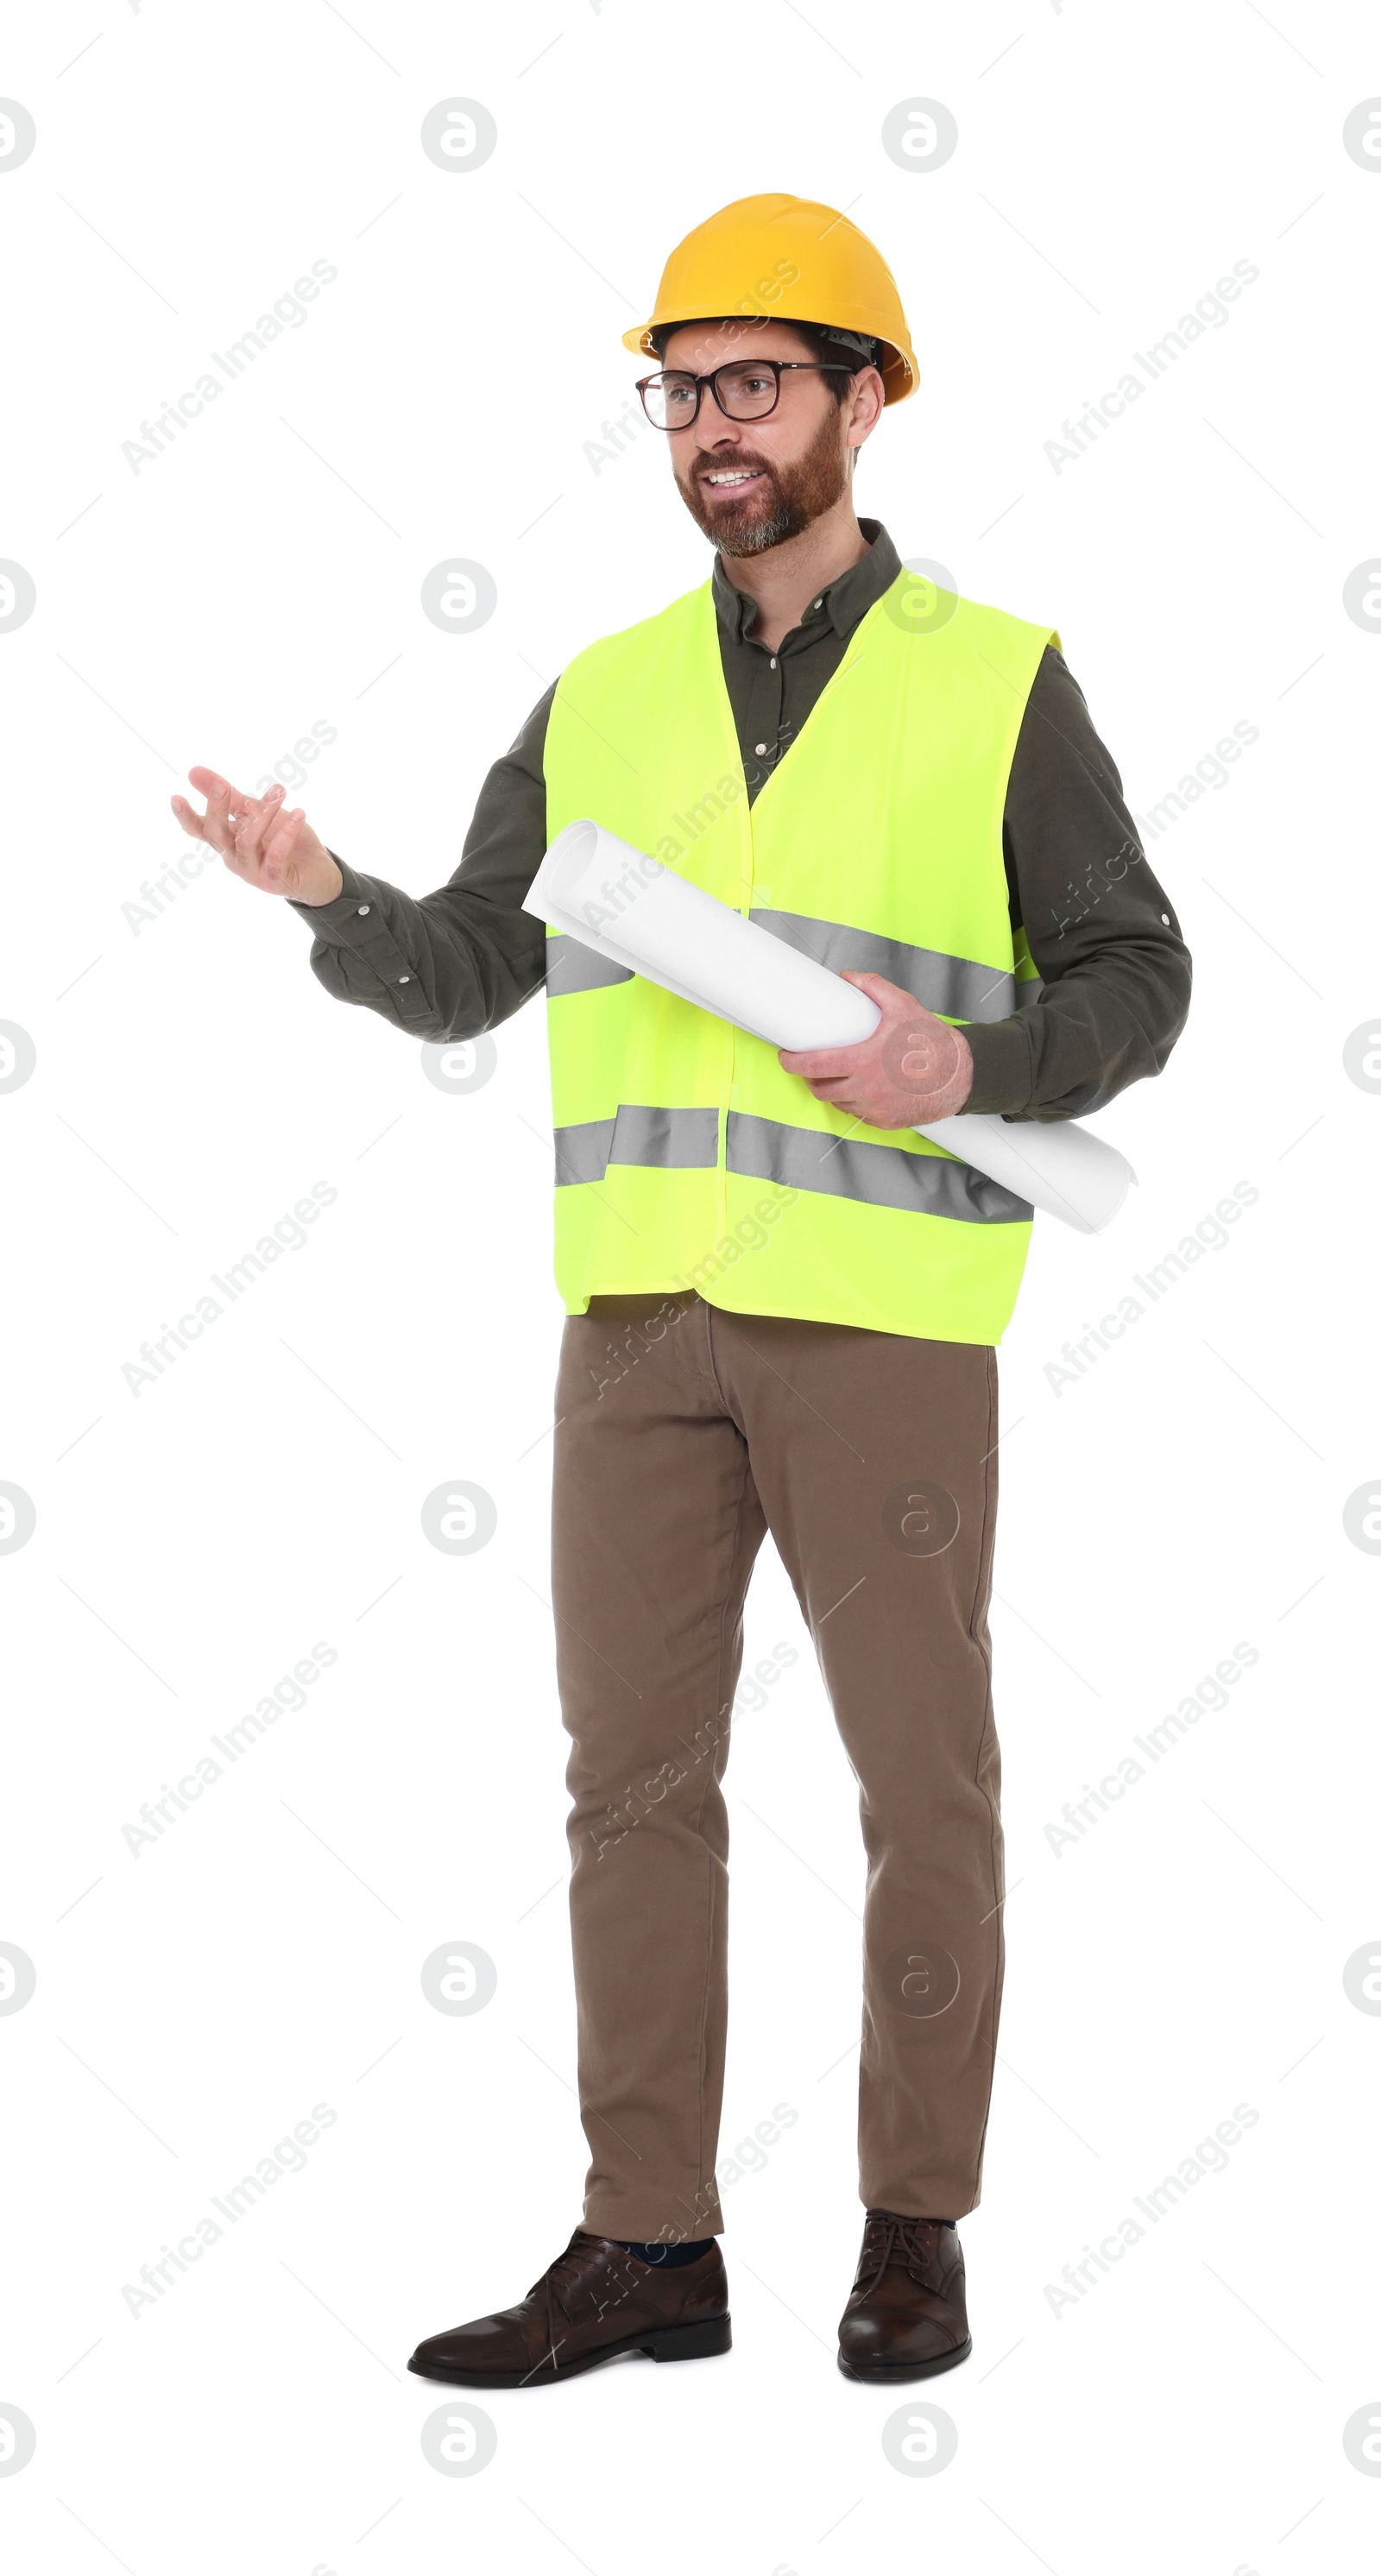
x=732 y=478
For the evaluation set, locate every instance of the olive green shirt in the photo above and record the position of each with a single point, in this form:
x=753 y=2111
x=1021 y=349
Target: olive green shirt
x=1102 y=934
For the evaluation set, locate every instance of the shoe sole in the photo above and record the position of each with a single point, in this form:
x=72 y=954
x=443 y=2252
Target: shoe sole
x=897 y=2371
x=660 y=2343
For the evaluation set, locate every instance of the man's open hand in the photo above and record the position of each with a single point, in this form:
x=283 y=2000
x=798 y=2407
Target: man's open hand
x=277 y=852
x=913 y=1069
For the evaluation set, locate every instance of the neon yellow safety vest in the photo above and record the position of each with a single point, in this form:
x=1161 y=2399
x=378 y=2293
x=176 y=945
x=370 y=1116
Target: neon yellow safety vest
x=685 y=1156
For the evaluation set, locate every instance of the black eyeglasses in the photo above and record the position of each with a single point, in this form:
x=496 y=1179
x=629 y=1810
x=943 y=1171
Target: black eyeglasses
x=747 y=389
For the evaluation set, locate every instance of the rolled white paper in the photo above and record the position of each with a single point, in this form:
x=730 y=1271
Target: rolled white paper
x=608 y=896
x=1059 y=1167
x=601 y=891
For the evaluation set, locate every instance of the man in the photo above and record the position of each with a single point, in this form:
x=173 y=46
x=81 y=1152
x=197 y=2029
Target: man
x=782 y=1304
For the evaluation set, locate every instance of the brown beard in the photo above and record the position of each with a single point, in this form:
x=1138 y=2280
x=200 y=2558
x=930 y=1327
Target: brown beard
x=792 y=497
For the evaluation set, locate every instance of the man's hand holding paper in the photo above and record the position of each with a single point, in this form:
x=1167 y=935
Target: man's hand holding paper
x=912 y=1069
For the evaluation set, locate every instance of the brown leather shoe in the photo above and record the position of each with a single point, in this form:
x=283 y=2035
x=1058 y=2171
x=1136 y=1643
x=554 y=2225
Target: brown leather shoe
x=594 y=2301
x=906 y=2316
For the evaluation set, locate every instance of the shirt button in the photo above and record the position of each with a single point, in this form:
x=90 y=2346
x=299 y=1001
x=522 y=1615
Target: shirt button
x=815 y=603
x=405 y=979
x=759 y=748
x=363 y=909
x=773 y=663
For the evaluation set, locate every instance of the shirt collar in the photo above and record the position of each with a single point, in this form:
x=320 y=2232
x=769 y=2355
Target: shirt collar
x=841 y=604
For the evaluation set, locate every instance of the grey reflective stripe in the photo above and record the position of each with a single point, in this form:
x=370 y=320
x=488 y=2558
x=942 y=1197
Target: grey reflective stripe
x=761 y=1149
x=573 y=968
x=582 y=1153
x=672 y=1140
x=954 y=986
x=957 y=987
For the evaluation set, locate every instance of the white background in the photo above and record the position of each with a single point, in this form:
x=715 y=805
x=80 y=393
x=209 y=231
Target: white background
x=195 y=1539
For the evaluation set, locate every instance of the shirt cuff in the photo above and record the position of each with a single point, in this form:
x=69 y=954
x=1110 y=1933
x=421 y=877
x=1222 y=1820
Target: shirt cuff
x=337 y=919
x=357 y=921
x=1002 y=1072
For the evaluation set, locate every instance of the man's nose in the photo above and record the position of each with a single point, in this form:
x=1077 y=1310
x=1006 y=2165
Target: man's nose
x=713 y=428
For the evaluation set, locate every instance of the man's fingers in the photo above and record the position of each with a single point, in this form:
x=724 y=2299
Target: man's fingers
x=816 y=1064
x=192 y=822
x=246 y=811
x=259 y=820
x=879 y=990
x=254 y=835
x=279 y=850
x=213 y=826
x=222 y=800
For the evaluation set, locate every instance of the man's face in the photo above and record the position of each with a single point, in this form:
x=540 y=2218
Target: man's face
x=750 y=484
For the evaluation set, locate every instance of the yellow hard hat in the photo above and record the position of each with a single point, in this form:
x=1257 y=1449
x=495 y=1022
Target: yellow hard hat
x=785 y=259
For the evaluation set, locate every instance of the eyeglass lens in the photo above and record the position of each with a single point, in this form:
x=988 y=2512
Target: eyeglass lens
x=747 y=391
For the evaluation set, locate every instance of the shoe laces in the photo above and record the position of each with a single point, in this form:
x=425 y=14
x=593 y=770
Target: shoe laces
x=911 y=2243
x=560 y=2279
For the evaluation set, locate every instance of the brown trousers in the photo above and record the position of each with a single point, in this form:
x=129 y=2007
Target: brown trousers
x=683 y=1435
